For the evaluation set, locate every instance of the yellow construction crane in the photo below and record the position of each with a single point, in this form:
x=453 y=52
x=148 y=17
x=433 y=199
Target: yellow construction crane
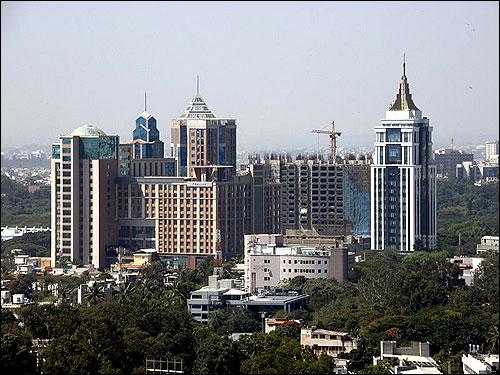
x=333 y=139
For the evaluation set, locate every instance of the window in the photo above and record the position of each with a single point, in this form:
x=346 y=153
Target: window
x=393 y=135
x=267 y=261
x=267 y=278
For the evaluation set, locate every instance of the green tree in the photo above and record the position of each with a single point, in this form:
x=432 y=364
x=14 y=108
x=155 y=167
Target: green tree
x=94 y=294
x=16 y=356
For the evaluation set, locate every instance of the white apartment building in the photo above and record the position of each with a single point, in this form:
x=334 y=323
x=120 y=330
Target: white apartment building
x=492 y=150
x=403 y=178
x=488 y=243
x=473 y=363
x=326 y=341
x=268 y=262
x=413 y=359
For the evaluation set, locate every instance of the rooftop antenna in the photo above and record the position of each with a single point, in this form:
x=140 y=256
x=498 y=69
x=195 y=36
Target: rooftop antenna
x=452 y=143
x=197 y=85
x=145 y=101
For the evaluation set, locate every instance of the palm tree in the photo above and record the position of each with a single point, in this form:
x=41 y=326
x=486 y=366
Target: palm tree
x=175 y=293
x=216 y=319
x=64 y=291
x=493 y=339
x=124 y=291
x=94 y=294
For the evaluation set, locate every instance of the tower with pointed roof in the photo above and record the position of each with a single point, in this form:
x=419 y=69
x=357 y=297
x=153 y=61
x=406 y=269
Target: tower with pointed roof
x=146 y=137
x=403 y=178
x=203 y=143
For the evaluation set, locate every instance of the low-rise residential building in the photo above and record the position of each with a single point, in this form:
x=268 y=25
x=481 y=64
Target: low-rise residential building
x=488 y=244
x=268 y=263
x=26 y=264
x=271 y=324
x=224 y=293
x=474 y=363
x=414 y=359
x=467 y=267
x=326 y=341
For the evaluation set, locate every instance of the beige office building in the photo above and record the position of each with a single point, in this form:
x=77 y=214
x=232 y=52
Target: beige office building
x=83 y=169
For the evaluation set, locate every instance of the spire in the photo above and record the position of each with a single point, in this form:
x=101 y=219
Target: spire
x=404 y=65
x=145 y=102
x=197 y=85
x=403 y=101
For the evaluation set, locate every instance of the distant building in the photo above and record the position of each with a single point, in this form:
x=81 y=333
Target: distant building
x=403 y=178
x=414 y=359
x=488 y=244
x=268 y=262
x=492 y=151
x=482 y=171
x=325 y=341
x=446 y=161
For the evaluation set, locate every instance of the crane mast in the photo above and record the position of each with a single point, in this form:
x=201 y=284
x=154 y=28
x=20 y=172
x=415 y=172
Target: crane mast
x=333 y=139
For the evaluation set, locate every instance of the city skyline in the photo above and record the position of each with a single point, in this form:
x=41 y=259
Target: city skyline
x=308 y=78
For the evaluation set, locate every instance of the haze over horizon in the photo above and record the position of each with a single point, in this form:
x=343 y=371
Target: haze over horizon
x=280 y=69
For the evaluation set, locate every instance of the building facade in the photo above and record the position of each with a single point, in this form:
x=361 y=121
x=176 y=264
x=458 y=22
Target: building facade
x=311 y=193
x=446 y=160
x=268 y=263
x=199 y=138
x=325 y=341
x=492 y=150
x=146 y=138
x=83 y=169
x=403 y=178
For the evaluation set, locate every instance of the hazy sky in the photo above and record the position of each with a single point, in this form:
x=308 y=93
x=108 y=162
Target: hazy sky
x=281 y=69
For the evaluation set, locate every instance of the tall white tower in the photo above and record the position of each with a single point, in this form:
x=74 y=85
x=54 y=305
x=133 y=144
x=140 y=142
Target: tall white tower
x=403 y=178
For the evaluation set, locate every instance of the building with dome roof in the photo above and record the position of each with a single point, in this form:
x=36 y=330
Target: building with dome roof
x=83 y=169
x=88 y=131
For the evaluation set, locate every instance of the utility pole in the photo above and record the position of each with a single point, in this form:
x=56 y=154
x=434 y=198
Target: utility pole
x=333 y=139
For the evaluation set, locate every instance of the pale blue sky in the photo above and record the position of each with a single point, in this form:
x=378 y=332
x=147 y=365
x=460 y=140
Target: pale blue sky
x=281 y=69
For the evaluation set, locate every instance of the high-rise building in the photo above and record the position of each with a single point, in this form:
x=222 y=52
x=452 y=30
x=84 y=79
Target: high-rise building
x=492 y=150
x=199 y=138
x=146 y=138
x=83 y=169
x=403 y=178
x=143 y=155
x=190 y=217
x=446 y=160
x=311 y=195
